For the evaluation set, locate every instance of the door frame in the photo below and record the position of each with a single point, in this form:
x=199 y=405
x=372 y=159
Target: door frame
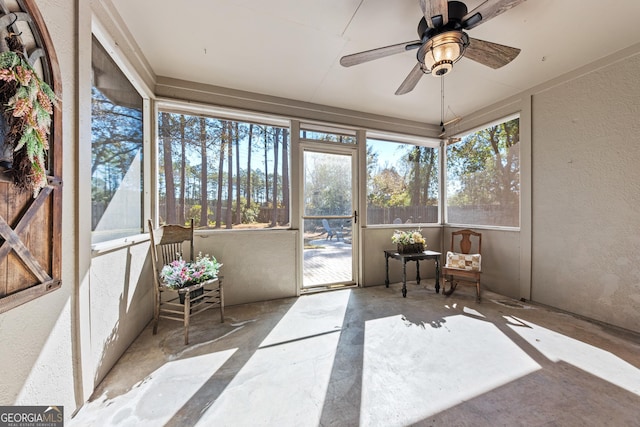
x=330 y=148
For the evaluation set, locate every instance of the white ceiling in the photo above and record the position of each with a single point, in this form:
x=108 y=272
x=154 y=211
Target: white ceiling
x=292 y=48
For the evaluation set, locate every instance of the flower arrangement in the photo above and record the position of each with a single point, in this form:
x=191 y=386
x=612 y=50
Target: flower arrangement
x=408 y=237
x=27 y=105
x=180 y=273
x=409 y=241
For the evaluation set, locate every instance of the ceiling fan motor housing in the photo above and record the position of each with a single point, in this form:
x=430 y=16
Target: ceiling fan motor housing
x=442 y=44
x=456 y=11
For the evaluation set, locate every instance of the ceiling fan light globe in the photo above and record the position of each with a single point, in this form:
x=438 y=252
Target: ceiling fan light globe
x=443 y=50
x=449 y=51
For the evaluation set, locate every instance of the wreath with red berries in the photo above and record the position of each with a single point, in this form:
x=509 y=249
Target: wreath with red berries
x=27 y=106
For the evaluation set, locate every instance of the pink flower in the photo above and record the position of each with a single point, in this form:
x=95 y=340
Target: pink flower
x=42 y=134
x=21 y=108
x=24 y=75
x=7 y=75
x=45 y=102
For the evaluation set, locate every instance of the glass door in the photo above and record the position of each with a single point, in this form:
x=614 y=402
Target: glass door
x=328 y=217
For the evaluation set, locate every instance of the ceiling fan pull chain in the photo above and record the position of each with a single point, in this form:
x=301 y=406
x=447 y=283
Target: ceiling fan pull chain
x=442 y=104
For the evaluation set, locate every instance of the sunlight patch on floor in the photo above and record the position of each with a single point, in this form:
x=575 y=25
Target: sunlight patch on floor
x=311 y=315
x=413 y=371
x=471 y=311
x=285 y=382
x=157 y=398
x=594 y=360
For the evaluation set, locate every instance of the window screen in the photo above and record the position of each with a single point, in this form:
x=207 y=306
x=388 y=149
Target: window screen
x=483 y=177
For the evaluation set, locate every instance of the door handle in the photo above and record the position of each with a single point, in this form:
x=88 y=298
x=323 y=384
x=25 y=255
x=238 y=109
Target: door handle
x=355 y=217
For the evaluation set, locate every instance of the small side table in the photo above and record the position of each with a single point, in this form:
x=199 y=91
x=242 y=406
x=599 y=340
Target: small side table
x=417 y=257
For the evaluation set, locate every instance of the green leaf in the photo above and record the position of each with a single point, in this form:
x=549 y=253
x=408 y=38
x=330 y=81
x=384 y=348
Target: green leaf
x=22 y=92
x=26 y=135
x=49 y=92
x=9 y=59
x=42 y=117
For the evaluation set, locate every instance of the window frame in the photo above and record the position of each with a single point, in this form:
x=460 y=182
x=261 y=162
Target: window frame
x=396 y=138
x=174 y=106
x=329 y=130
x=444 y=183
x=148 y=123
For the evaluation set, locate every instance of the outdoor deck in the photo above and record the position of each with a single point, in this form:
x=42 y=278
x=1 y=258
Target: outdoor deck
x=327 y=261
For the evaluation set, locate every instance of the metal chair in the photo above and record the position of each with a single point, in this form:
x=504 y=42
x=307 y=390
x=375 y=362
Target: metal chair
x=463 y=266
x=330 y=231
x=167 y=245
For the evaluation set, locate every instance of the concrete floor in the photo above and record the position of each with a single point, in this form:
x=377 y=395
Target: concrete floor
x=370 y=357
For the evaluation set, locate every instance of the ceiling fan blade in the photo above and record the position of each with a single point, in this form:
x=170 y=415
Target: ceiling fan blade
x=492 y=55
x=411 y=80
x=486 y=11
x=435 y=8
x=381 y=52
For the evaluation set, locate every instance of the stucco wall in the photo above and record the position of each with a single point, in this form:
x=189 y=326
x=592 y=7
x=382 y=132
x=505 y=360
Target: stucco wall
x=586 y=194
x=257 y=265
x=121 y=304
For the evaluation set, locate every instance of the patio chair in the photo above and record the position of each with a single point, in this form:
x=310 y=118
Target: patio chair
x=167 y=244
x=463 y=266
x=330 y=231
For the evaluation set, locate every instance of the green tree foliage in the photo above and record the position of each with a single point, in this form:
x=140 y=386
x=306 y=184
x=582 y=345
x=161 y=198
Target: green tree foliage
x=328 y=184
x=411 y=180
x=203 y=163
x=484 y=167
x=388 y=188
x=422 y=177
x=116 y=142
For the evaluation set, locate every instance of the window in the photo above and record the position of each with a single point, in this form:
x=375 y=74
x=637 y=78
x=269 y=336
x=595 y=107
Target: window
x=320 y=134
x=402 y=182
x=30 y=225
x=223 y=173
x=116 y=151
x=483 y=177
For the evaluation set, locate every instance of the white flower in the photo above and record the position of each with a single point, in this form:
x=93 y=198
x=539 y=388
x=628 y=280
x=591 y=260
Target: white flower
x=408 y=237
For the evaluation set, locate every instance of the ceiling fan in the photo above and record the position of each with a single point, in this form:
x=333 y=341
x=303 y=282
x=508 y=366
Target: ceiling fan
x=443 y=40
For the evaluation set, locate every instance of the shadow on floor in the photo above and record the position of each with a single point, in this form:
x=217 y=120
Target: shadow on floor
x=370 y=357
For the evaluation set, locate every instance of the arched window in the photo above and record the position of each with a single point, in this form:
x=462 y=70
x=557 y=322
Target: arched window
x=30 y=214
